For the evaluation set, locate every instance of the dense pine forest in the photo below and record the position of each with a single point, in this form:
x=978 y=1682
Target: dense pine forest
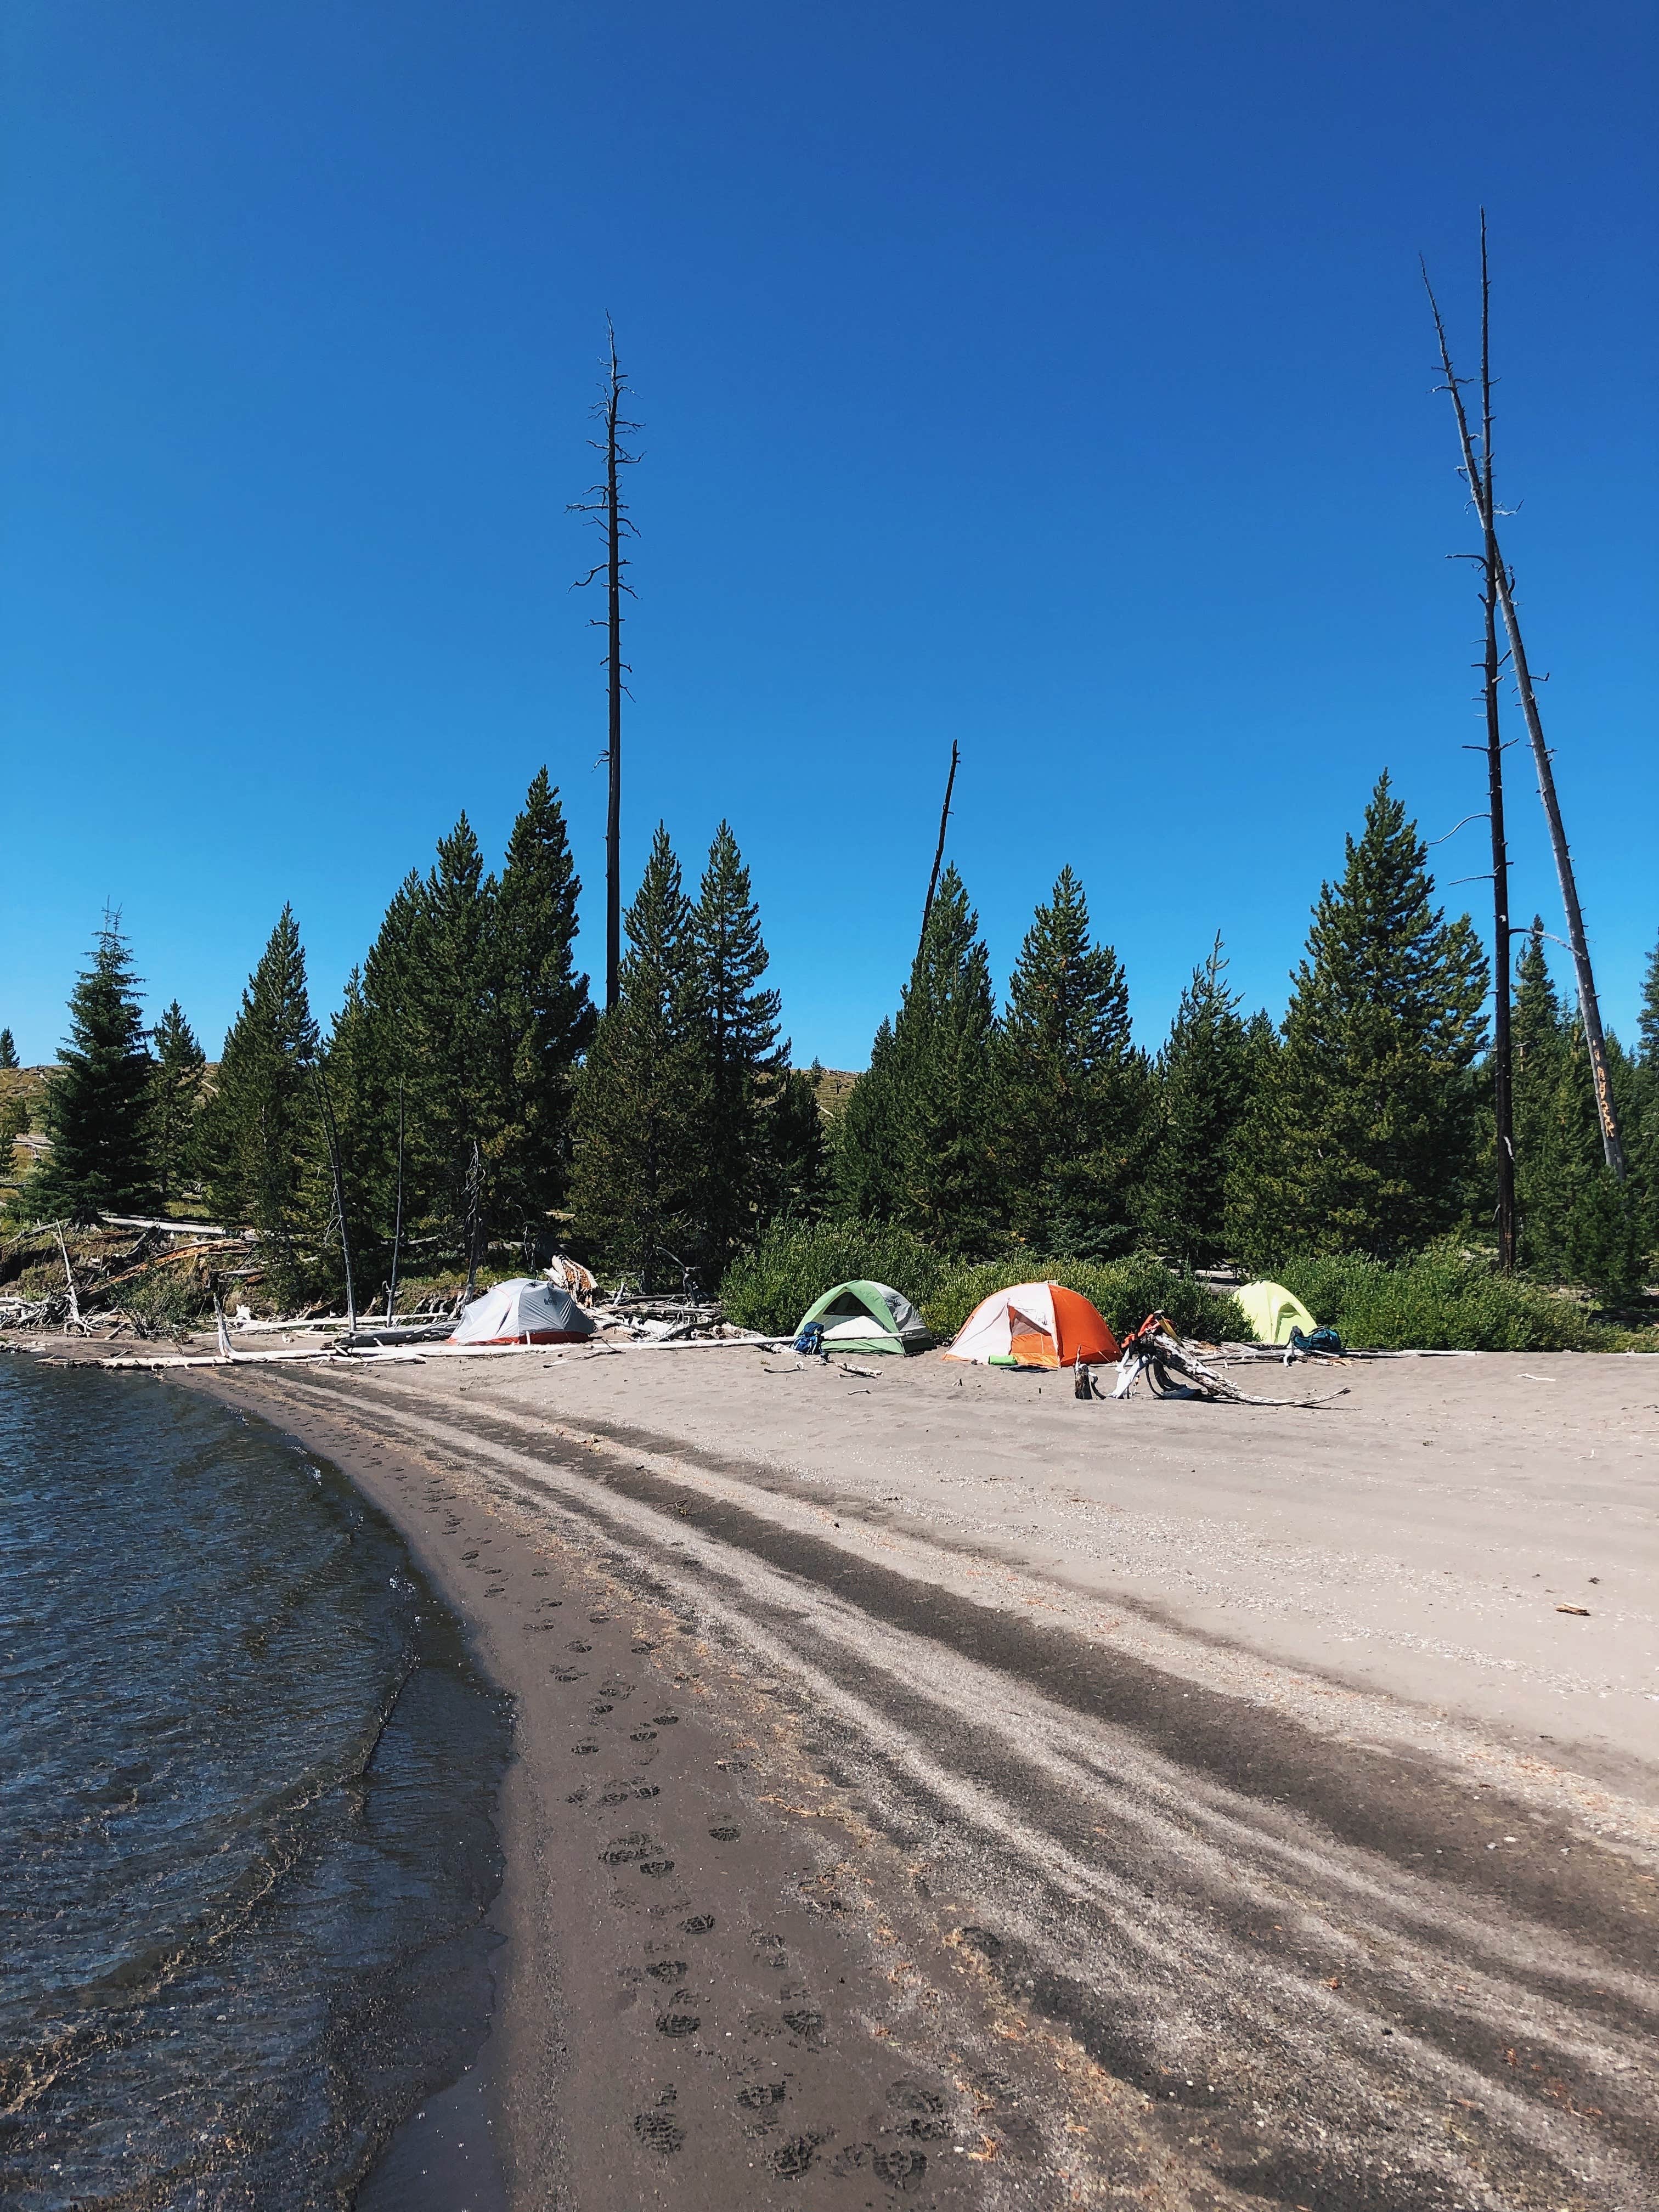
x=467 y=1110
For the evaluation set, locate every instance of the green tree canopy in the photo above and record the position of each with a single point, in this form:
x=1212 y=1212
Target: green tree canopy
x=258 y=1128
x=543 y=1019
x=1206 y=1080
x=1577 y=1223
x=102 y=1159
x=8 y=1049
x=1365 y=1136
x=642 y=1100
x=746 y=1064
x=1072 y=1099
x=914 y=1143
x=175 y=1103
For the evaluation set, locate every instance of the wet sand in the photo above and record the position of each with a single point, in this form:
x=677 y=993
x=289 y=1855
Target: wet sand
x=931 y=1790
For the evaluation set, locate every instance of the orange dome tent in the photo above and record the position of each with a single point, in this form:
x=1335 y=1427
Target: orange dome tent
x=1035 y=1325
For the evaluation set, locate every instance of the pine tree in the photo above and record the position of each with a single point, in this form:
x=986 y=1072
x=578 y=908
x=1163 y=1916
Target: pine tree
x=746 y=1064
x=449 y=989
x=1364 y=1137
x=1205 y=1076
x=257 y=1131
x=175 y=1103
x=942 y=1047
x=1072 y=1090
x=795 y=1152
x=8 y=1049
x=1577 y=1223
x=642 y=1100
x=868 y=1138
x=96 y=1106
x=542 y=1017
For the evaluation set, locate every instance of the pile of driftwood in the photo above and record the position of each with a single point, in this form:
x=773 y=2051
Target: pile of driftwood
x=102 y=1269
x=1172 y=1367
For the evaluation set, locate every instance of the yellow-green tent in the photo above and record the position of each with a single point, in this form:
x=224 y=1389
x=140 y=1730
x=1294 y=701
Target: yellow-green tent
x=1272 y=1312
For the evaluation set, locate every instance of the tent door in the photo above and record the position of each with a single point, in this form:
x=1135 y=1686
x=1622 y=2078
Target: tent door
x=1029 y=1342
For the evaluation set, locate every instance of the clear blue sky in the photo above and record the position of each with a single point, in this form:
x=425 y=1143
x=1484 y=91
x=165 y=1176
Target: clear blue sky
x=1055 y=378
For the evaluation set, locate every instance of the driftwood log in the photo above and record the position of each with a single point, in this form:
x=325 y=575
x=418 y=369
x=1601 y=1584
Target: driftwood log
x=1171 y=1369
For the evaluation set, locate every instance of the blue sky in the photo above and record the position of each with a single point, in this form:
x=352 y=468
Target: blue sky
x=1055 y=379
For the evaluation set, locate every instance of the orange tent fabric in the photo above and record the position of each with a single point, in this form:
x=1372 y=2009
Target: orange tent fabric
x=1035 y=1325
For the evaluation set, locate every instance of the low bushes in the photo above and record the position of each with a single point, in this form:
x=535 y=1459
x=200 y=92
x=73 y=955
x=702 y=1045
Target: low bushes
x=1442 y=1300
x=771 y=1287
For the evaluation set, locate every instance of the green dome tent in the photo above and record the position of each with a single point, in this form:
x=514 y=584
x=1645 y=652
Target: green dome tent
x=868 y=1318
x=1272 y=1312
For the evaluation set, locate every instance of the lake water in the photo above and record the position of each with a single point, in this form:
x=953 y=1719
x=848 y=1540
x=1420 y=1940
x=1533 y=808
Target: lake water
x=246 y=1786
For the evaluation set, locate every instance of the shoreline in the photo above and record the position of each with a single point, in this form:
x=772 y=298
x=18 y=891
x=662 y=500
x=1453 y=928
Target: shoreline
x=843 y=1834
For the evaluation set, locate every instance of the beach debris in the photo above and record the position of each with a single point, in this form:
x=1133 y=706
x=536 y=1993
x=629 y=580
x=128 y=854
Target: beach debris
x=1583 y=1611
x=1173 y=1369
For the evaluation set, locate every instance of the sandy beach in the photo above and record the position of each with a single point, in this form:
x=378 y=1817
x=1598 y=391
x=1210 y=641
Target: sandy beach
x=932 y=1789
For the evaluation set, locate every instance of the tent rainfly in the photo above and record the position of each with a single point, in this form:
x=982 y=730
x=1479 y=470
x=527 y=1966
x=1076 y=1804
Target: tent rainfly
x=1035 y=1325
x=523 y=1311
x=868 y=1318
x=1272 y=1312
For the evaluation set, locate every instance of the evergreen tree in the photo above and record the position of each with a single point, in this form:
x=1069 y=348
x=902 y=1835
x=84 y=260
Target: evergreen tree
x=943 y=1042
x=542 y=1017
x=795 y=1153
x=642 y=1100
x=1365 y=1136
x=175 y=1103
x=866 y=1141
x=257 y=1130
x=914 y=1143
x=1205 y=1082
x=101 y=1159
x=449 y=1006
x=8 y=1049
x=746 y=1067
x=1073 y=1091
x=1577 y=1223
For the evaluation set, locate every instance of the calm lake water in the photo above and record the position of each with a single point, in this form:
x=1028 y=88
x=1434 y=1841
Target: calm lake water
x=246 y=1785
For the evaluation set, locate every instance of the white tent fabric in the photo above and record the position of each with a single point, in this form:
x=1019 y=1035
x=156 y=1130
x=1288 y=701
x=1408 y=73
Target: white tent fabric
x=988 y=1331
x=523 y=1311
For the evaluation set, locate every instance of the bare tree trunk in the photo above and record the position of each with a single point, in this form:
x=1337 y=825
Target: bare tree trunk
x=1589 y=1007
x=1503 y=1056
x=604 y=501
x=613 y=584
x=938 y=849
x=75 y=1320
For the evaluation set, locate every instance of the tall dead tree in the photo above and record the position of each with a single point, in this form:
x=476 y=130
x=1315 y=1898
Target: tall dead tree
x=938 y=849
x=605 y=501
x=1503 y=1059
x=1501 y=582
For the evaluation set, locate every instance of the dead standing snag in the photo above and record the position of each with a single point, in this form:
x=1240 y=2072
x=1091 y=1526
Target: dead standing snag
x=1480 y=490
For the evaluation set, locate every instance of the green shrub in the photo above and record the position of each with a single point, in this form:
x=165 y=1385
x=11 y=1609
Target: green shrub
x=167 y=1301
x=1443 y=1300
x=771 y=1287
x=1123 y=1291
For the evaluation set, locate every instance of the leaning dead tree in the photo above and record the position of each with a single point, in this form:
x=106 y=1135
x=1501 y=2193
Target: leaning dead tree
x=938 y=849
x=1491 y=665
x=604 y=501
x=1501 y=583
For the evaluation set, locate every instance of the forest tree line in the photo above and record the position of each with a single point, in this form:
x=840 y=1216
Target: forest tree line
x=467 y=1095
